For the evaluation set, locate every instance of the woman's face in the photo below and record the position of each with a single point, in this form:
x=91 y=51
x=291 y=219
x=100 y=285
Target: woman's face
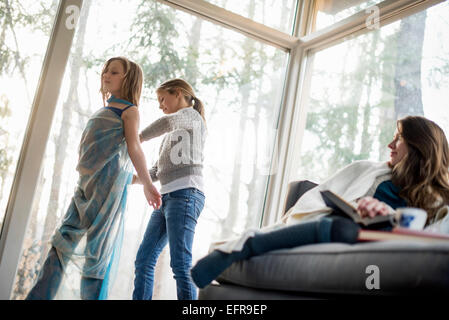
x=398 y=148
x=113 y=77
x=169 y=103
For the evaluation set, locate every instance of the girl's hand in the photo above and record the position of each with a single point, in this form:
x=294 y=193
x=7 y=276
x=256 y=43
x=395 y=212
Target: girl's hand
x=153 y=196
x=371 y=207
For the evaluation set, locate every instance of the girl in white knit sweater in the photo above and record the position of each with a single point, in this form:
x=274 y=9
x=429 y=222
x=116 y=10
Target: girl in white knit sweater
x=179 y=169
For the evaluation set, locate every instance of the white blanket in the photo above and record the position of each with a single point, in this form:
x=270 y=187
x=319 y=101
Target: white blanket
x=351 y=183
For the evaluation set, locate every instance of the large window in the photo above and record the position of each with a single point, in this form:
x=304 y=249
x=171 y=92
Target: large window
x=327 y=12
x=240 y=81
x=351 y=92
x=273 y=13
x=360 y=87
x=25 y=29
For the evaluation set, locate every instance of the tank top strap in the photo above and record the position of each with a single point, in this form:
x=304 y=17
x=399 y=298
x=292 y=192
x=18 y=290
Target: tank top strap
x=125 y=102
x=127 y=107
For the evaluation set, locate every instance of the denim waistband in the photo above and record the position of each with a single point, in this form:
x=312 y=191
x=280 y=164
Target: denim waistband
x=187 y=191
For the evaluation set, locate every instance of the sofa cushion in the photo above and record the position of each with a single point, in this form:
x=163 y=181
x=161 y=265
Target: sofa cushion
x=399 y=268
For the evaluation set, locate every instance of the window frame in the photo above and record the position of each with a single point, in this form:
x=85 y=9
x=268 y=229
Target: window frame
x=31 y=156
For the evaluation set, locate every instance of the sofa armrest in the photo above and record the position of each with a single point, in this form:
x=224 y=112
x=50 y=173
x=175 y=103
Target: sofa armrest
x=295 y=190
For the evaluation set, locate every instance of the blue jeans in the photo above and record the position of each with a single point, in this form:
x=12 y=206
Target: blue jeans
x=327 y=229
x=174 y=222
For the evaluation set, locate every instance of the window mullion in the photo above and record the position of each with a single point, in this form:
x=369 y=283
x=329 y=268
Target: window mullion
x=389 y=11
x=282 y=154
x=235 y=22
x=26 y=178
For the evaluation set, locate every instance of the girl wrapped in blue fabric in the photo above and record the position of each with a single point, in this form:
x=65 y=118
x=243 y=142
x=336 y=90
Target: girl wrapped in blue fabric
x=109 y=146
x=417 y=175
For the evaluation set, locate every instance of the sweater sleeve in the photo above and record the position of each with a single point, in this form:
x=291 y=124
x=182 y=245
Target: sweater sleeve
x=157 y=128
x=153 y=172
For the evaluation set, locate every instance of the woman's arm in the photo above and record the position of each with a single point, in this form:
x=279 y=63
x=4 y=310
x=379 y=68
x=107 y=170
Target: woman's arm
x=131 y=126
x=152 y=172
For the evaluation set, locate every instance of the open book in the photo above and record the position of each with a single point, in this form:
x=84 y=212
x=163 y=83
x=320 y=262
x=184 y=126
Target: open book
x=344 y=208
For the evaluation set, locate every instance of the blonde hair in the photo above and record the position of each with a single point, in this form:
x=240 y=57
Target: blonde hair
x=423 y=173
x=187 y=91
x=132 y=82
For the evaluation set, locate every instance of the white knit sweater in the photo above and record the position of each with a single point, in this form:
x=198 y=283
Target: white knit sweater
x=181 y=151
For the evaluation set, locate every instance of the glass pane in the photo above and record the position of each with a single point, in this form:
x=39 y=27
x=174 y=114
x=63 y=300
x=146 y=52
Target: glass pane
x=328 y=12
x=25 y=31
x=240 y=82
x=276 y=14
x=360 y=87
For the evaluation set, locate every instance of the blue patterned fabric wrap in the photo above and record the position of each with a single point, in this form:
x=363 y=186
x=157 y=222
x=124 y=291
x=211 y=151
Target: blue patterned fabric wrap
x=91 y=230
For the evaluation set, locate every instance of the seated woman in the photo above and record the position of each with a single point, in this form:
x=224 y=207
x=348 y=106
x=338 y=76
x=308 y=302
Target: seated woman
x=417 y=175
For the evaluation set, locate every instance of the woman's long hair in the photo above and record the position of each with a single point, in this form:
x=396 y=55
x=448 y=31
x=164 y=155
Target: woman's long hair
x=423 y=173
x=132 y=82
x=187 y=91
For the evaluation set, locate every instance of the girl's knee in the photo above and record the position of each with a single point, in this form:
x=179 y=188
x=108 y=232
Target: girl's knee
x=145 y=263
x=181 y=269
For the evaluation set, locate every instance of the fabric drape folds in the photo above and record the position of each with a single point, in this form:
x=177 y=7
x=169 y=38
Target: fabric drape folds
x=92 y=228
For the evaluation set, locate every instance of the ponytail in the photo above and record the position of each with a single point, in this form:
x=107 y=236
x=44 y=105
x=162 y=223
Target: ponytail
x=198 y=106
